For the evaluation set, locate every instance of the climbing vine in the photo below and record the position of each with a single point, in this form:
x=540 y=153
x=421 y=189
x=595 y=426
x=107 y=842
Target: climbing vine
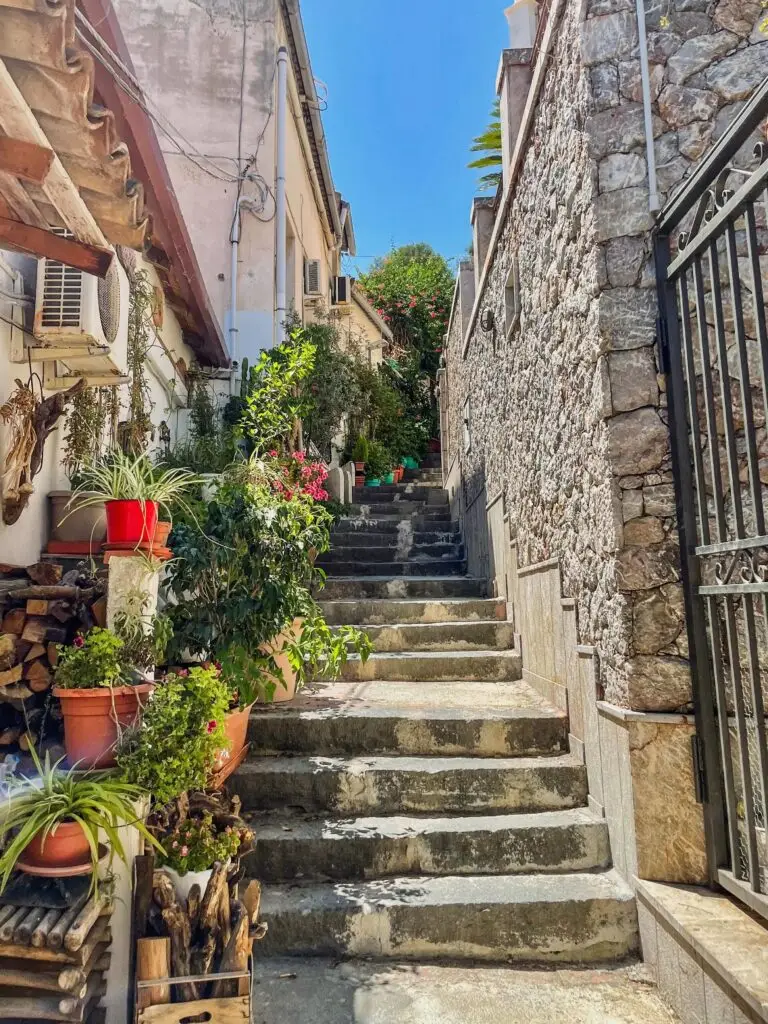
x=141 y=336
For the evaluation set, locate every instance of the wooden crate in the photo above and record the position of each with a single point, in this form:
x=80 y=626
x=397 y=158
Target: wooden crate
x=224 y=1010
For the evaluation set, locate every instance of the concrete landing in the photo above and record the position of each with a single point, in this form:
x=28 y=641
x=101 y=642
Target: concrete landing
x=357 y=992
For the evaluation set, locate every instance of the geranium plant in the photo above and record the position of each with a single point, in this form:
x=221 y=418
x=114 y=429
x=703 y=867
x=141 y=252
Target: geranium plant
x=93 y=659
x=196 y=843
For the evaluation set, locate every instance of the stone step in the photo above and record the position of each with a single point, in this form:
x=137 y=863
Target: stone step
x=436 y=666
x=576 y=918
x=393 y=517
x=402 y=587
x=461 y=718
x=442 y=636
x=392 y=539
x=432 y=496
x=412 y=785
x=401 y=509
x=360 y=551
x=380 y=611
x=319 y=849
x=426 y=567
x=387 y=531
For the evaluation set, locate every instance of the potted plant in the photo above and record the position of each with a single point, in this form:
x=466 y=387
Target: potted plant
x=360 y=454
x=55 y=820
x=181 y=734
x=133 y=490
x=378 y=464
x=190 y=850
x=97 y=701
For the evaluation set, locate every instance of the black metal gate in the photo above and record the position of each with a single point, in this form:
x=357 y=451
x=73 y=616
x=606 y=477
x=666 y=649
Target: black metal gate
x=712 y=268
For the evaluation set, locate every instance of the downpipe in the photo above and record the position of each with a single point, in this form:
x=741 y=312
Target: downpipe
x=654 y=202
x=281 y=304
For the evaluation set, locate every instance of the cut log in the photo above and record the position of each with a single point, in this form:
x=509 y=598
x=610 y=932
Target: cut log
x=99 y=611
x=7 y=649
x=46 y=573
x=40 y=934
x=53 y=654
x=6 y=912
x=11 y=675
x=85 y=920
x=37 y=606
x=13 y=621
x=23 y=931
x=100 y=934
x=16 y=692
x=9 y=735
x=60 y=610
x=35 y=651
x=58 y=931
x=38 y=975
x=177 y=925
x=38 y=677
x=57 y=592
x=153 y=960
x=237 y=950
x=11 y=923
x=35 y=630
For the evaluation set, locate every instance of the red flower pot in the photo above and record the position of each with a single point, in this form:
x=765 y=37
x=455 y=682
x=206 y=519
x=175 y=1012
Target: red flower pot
x=95 y=718
x=66 y=846
x=131 y=522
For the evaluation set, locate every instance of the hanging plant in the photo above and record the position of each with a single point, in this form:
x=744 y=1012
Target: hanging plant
x=142 y=334
x=93 y=410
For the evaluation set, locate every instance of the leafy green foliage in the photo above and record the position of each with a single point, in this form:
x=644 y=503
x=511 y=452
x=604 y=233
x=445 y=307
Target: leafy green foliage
x=94 y=660
x=360 y=450
x=489 y=144
x=145 y=638
x=98 y=801
x=320 y=652
x=142 y=334
x=379 y=461
x=210 y=445
x=196 y=844
x=181 y=733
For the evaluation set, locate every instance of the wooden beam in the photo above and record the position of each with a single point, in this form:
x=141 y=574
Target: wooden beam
x=18 y=121
x=92 y=380
x=26 y=160
x=34 y=241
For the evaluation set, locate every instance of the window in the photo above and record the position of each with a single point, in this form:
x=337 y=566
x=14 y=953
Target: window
x=466 y=426
x=512 y=297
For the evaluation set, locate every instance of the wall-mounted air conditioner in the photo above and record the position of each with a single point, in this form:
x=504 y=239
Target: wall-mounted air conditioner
x=342 y=291
x=312 y=277
x=82 y=319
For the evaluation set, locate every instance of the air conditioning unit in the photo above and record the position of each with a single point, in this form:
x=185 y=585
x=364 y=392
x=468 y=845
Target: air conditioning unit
x=82 y=319
x=313 y=281
x=342 y=291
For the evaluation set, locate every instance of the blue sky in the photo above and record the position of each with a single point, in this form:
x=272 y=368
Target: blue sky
x=410 y=82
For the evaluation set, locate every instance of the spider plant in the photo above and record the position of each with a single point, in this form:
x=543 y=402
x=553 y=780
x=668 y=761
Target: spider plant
x=122 y=477
x=98 y=801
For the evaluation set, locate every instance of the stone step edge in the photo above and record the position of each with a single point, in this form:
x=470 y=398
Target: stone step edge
x=409 y=763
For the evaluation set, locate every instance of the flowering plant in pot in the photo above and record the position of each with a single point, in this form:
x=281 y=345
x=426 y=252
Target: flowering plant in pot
x=190 y=850
x=133 y=489
x=181 y=733
x=98 y=701
x=53 y=820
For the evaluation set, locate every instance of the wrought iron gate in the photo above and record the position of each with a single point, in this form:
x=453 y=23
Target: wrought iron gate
x=712 y=270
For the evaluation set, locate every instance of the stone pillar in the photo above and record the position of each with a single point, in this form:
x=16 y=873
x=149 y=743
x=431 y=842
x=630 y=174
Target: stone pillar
x=466 y=292
x=349 y=482
x=482 y=219
x=335 y=484
x=512 y=84
x=129 y=577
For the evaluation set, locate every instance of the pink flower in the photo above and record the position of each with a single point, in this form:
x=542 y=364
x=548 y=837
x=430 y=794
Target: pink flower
x=273 y=453
x=175 y=844
x=183 y=672
x=299 y=456
x=211 y=726
x=184 y=851
x=78 y=641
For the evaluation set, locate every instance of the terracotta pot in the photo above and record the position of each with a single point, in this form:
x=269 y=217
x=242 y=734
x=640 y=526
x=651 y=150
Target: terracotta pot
x=77 y=524
x=285 y=687
x=359 y=479
x=236 y=728
x=66 y=846
x=131 y=521
x=359 y=467
x=161 y=534
x=94 y=719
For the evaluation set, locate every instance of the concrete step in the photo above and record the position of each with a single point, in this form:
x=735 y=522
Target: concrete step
x=442 y=636
x=432 y=496
x=577 y=918
x=500 y=844
x=412 y=785
x=392 y=518
x=360 y=551
x=419 y=719
x=379 y=537
x=414 y=588
x=380 y=611
x=373 y=508
x=426 y=567
x=436 y=665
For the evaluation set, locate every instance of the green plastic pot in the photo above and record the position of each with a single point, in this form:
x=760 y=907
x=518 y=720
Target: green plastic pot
x=410 y=463
x=389 y=478
x=373 y=482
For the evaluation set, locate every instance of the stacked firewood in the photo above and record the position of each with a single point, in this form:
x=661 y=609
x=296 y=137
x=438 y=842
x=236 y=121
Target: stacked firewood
x=53 y=960
x=207 y=934
x=41 y=607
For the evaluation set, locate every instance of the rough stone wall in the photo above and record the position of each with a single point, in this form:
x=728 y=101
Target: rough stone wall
x=568 y=414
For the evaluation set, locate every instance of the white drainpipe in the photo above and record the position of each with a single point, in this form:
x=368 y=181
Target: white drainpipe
x=281 y=304
x=654 y=203
x=235 y=244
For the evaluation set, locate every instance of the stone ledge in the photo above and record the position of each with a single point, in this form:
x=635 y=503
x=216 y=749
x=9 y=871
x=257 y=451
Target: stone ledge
x=731 y=942
x=528 y=570
x=619 y=714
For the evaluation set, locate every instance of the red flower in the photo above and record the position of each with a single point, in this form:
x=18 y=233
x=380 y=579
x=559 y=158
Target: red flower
x=78 y=641
x=273 y=453
x=211 y=726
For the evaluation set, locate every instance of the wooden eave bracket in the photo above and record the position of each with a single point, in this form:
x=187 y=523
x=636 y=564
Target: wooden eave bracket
x=89 y=249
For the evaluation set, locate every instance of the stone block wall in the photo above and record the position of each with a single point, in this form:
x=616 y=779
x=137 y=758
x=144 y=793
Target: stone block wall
x=568 y=411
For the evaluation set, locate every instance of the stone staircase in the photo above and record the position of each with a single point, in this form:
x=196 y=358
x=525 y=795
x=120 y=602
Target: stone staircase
x=426 y=805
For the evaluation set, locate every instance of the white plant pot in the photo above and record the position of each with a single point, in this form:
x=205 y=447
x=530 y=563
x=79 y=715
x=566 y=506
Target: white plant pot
x=183 y=883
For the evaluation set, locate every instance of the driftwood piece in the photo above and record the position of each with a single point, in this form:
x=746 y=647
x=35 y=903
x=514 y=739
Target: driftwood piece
x=236 y=952
x=85 y=920
x=45 y=573
x=59 y=930
x=11 y=923
x=177 y=926
x=163 y=891
x=143 y=869
x=23 y=931
x=100 y=933
x=209 y=908
x=194 y=899
x=40 y=934
x=223 y=918
x=45 y=592
x=252 y=901
x=153 y=960
x=202 y=956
